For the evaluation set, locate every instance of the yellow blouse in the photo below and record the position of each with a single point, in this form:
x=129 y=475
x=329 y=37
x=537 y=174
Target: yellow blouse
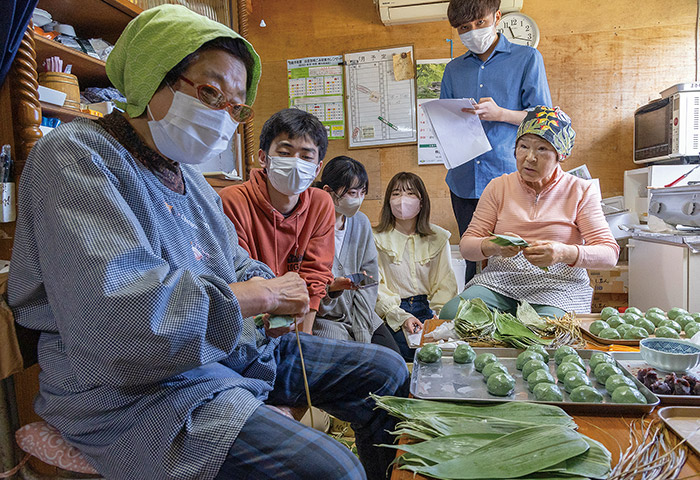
x=413 y=265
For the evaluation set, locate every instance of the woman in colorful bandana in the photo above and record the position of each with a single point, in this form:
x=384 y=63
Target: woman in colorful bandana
x=151 y=362
x=558 y=214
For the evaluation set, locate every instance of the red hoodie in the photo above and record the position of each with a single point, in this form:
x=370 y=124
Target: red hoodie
x=302 y=242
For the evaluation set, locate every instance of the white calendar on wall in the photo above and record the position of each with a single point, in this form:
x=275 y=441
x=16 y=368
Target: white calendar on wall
x=316 y=86
x=380 y=109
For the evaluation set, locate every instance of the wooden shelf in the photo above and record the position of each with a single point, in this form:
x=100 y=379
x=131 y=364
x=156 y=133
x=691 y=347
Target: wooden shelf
x=65 y=114
x=93 y=18
x=90 y=71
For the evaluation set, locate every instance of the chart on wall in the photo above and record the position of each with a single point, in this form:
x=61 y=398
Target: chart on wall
x=428 y=79
x=381 y=97
x=316 y=86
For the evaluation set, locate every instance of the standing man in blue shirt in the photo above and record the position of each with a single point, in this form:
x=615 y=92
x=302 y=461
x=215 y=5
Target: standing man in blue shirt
x=505 y=79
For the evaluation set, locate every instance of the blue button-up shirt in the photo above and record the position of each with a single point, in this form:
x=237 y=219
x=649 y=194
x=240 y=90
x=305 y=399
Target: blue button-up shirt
x=515 y=78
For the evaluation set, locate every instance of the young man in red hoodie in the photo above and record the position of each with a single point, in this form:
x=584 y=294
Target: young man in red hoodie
x=280 y=221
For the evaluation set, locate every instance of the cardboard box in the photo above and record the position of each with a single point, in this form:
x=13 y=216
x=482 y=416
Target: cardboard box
x=610 y=281
x=602 y=300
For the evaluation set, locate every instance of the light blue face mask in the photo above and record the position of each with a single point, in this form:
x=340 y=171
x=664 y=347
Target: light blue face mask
x=191 y=132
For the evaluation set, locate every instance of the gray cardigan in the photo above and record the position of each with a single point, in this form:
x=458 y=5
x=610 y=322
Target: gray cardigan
x=351 y=316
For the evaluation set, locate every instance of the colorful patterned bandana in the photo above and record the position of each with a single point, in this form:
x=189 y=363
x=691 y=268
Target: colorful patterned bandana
x=551 y=124
x=154 y=42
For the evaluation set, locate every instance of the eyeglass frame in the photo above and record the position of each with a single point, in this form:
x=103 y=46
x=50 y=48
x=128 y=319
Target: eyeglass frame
x=227 y=105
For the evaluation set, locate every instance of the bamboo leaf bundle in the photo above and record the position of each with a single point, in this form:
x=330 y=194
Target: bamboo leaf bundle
x=509 y=330
x=474 y=319
x=505 y=441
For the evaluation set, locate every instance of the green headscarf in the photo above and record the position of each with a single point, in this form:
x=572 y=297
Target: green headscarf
x=157 y=40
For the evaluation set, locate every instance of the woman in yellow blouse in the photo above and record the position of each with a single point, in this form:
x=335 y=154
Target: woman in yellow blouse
x=415 y=273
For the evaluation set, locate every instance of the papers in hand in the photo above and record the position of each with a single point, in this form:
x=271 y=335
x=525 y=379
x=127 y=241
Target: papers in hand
x=460 y=135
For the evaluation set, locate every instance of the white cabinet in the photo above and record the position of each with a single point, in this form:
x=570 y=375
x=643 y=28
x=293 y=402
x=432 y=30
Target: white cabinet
x=663 y=275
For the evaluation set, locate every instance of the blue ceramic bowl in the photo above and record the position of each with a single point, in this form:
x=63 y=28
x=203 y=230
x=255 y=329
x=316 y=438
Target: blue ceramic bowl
x=670 y=354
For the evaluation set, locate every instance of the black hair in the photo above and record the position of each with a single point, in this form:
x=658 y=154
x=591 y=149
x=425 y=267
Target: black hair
x=234 y=46
x=297 y=124
x=343 y=173
x=460 y=12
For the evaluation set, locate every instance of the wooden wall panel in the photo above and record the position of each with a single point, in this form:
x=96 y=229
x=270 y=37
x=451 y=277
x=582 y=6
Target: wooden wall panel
x=603 y=59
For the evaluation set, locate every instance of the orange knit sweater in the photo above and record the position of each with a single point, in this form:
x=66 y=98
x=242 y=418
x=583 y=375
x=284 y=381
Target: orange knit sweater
x=301 y=242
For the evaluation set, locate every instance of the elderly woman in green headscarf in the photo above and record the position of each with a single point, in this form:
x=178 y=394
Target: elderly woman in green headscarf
x=557 y=214
x=124 y=260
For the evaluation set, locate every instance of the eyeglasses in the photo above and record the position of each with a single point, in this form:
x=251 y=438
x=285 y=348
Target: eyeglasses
x=215 y=99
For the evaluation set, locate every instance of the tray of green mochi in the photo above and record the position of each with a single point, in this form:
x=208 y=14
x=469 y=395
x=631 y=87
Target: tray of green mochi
x=628 y=328
x=584 y=381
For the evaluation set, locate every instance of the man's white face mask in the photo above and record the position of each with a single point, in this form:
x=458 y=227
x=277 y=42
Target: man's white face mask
x=480 y=39
x=291 y=175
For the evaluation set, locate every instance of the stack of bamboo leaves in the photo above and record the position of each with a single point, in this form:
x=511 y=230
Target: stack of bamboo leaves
x=477 y=323
x=505 y=441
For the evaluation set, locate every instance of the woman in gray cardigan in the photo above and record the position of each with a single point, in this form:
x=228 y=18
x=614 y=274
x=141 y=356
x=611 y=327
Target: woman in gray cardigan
x=349 y=314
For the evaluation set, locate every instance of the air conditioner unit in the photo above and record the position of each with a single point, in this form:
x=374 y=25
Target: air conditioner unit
x=398 y=12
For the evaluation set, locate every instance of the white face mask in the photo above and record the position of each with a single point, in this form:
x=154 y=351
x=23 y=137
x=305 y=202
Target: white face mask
x=191 y=132
x=479 y=40
x=291 y=175
x=349 y=206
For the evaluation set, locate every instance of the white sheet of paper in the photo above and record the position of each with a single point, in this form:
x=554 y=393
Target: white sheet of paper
x=460 y=135
x=413 y=339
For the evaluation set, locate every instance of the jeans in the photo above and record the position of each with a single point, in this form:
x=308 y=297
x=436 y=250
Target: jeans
x=419 y=307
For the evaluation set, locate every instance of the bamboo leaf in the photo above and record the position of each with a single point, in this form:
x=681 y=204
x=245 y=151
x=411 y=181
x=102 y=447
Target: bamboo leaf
x=509 y=241
x=520 y=453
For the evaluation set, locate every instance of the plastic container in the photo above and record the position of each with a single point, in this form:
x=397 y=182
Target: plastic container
x=63 y=82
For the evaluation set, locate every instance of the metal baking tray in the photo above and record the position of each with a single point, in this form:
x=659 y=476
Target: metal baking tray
x=632 y=362
x=447 y=380
x=685 y=422
x=586 y=321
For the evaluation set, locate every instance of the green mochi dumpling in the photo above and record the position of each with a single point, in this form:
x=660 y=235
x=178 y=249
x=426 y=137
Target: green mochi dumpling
x=600 y=357
x=610 y=334
x=539 y=376
x=463 y=354
x=615 y=321
x=500 y=384
x=623 y=328
x=691 y=328
x=567 y=367
x=547 y=392
x=483 y=359
x=562 y=352
x=608 y=312
x=634 y=310
x=575 y=358
x=635 y=333
x=604 y=370
x=493 y=367
x=655 y=310
x=627 y=394
x=683 y=319
x=672 y=324
x=676 y=312
x=666 y=332
x=533 y=365
x=630 y=317
x=575 y=379
x=655 y=318
x=525 y=357
x=615 y=381
x=430 y=353
x=586 y=394
x=541 y=350
x=596 y=327
x=646 y=324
